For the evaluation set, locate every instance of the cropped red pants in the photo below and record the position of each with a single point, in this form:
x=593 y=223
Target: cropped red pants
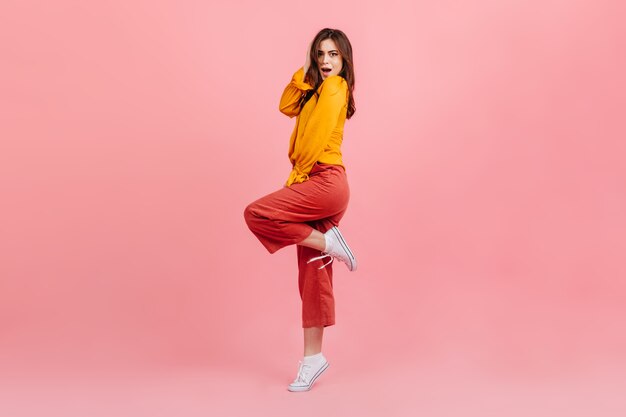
x=288 y=216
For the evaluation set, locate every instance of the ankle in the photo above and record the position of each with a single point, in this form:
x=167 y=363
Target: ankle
x=313 y=359
x=329 y=243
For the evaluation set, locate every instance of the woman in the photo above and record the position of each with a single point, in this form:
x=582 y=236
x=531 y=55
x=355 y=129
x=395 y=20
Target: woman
x=306 y=212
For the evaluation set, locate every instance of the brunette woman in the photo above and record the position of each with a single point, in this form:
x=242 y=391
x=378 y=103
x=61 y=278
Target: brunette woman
x=307 y=211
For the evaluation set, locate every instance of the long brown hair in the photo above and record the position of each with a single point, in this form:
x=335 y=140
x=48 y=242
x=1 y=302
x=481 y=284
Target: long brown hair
x=347 y=72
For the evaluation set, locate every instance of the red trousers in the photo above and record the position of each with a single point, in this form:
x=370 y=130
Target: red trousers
x=288 y=216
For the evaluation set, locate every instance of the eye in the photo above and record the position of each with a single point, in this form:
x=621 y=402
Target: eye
x=334 y=54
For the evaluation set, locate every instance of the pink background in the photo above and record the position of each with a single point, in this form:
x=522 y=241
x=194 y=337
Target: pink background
x=486 y=162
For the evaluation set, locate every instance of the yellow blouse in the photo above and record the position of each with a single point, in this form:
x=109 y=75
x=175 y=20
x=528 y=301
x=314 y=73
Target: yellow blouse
x=318 y=133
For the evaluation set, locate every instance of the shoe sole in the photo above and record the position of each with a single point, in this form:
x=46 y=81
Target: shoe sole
x=344 y=245
x=308 y=387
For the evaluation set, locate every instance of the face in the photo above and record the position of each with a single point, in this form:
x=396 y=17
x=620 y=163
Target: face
x=329 y=60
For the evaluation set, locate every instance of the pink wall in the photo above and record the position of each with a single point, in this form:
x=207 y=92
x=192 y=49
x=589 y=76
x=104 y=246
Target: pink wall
x=485 y=160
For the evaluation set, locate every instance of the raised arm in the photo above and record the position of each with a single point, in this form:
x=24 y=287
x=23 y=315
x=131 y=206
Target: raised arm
x=290 y=100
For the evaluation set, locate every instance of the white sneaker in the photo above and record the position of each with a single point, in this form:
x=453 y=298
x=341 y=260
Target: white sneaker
x=336 y=247
x=307 y=374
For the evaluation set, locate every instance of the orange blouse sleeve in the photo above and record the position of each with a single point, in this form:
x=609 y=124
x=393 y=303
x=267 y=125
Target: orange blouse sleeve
x=290 y=100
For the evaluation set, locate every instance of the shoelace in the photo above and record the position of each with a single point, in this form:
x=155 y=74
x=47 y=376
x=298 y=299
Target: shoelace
x=324 y=255
x=303 y=372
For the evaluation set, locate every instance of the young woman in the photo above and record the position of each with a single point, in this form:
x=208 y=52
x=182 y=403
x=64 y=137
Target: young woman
x=306 y=212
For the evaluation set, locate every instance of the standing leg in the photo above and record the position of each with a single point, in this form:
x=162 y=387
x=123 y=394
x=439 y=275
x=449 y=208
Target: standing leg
x=313 y=340
x=316 y=284
x=318 y=311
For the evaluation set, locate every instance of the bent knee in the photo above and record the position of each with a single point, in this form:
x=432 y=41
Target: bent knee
x=249 y=214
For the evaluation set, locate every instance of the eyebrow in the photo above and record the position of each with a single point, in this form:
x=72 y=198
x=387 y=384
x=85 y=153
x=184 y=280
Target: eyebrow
x=334 y=50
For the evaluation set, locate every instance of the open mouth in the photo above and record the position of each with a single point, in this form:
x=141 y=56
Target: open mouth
x=326 y=71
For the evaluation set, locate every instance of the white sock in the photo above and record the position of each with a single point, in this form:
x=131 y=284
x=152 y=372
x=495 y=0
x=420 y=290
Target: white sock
x=329 y=242
x=314 y=359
